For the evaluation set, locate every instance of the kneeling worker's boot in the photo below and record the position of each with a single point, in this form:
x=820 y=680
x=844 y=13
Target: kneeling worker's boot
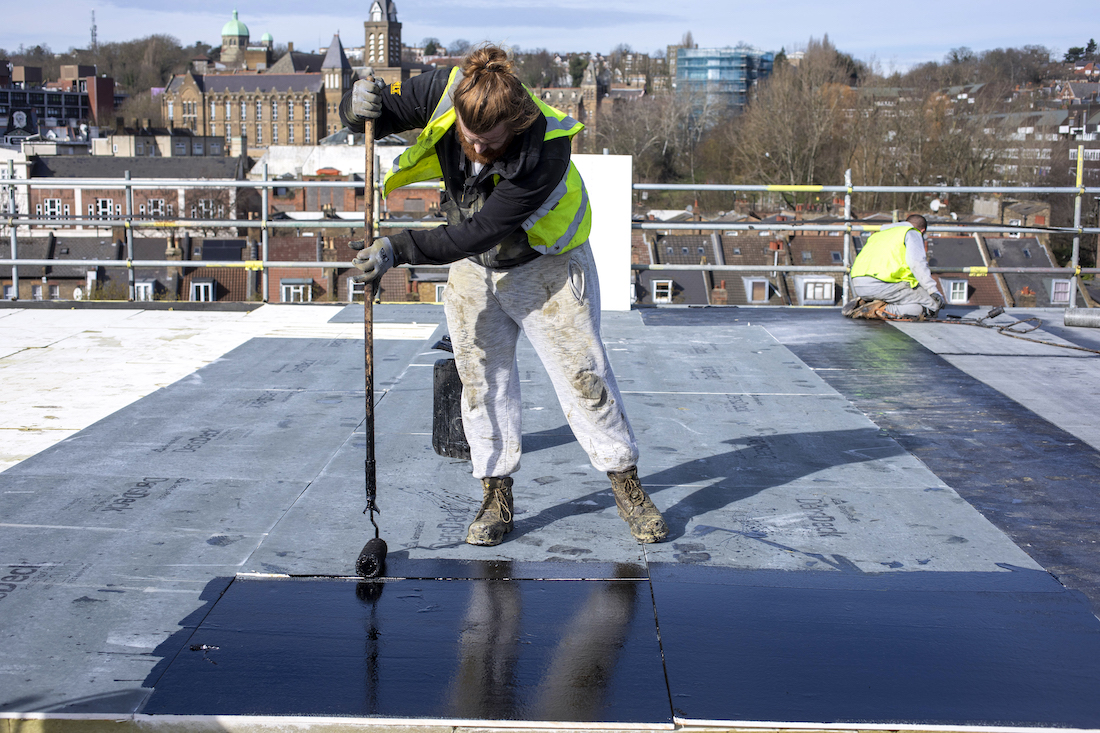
x=495 y=518
x=635 y=506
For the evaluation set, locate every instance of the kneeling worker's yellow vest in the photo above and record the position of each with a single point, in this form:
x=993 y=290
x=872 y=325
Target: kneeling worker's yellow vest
x=883 y=257
x=563 y=222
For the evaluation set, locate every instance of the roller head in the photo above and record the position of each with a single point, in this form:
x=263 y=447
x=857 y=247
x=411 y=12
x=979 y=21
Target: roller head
x=372 y=559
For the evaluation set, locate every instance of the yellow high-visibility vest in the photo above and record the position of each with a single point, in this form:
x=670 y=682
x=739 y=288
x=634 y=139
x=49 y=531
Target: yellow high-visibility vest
x=564 y=220
x=883 y=257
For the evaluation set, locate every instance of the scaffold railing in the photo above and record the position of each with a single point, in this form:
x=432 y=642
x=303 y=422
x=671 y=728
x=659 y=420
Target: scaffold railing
x=14 y=221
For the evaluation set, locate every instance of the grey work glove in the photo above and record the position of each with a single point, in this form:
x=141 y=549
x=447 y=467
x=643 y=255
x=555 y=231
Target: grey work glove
x=374 y=260
x=366 y=97
x=940 y=302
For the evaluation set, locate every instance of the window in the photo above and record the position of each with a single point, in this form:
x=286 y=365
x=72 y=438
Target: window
x=244 y=109
x=440 y=288
x=196 y=148
x=1059 y=292
x=55 y=292
x=736 y=250
x=9 y=292
x=956 y=291
x=143 y=290
x=274 y=110
x=259 y=135
x=228 y=111
x=757 y=290
x=181 y=147
x=807 y=256
x=213 y=110
x=297 y=290
x=202 y=290
x=355 y=290
x=662 y=291
x=838 y=258
x=36 y=292
x=103 y=208
x=52 y=208
x=140 y=148
x=274 y=135
x=170 y=113
x=259 y=110
x=290 y=110
x=207 y=209
x=307 y=134
x=290 y=135
x=156 y=207
x=306 y=110
x=818 y=291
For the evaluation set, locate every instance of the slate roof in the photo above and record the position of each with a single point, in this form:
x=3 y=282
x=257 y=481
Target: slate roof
x=1024 y=252
x=335 y=57
x=27 y=249
x=262 y=83
x=296 y=62
x=85 y=248
x=89 y=166
x=957 y=252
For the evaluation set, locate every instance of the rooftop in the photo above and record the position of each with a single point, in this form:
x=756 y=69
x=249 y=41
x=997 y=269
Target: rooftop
x=873 y=525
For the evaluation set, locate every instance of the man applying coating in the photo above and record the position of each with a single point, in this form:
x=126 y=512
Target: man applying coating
x=518 y=220
x=891 y=277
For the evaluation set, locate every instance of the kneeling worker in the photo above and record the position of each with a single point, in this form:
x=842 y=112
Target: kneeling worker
x=890 y=276
x=518 y=220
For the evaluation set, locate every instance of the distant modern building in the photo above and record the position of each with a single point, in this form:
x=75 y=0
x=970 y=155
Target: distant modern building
x=30 y=106
x=721 y=78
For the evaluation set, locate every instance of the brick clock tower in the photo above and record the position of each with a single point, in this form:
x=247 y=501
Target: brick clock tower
x=382 y=48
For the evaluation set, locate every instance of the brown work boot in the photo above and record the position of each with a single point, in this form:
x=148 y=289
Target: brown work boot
x=874 y=310
x=635 y=506
x=495 y=518
x=851 y=306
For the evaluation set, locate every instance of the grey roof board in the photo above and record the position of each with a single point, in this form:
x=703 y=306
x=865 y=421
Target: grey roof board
x=202 y=168
x=841 y=497
x=237 y=83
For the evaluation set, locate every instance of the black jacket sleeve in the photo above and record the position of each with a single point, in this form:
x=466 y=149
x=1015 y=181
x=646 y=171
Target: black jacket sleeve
x=405 y=105
x=509 y=204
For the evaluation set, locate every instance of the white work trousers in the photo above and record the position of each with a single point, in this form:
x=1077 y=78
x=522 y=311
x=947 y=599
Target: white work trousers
x=555 y=301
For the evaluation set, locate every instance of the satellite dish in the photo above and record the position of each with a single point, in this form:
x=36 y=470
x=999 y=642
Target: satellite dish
x=78 y=294
x=935 y=205
x=688 y=209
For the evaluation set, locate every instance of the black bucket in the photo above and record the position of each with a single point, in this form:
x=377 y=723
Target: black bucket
x=448 y=437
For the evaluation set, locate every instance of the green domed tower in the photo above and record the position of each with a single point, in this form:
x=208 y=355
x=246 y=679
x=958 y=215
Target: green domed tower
x=234 y=42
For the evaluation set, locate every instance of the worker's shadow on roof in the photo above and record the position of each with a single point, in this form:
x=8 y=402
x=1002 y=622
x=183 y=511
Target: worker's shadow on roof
x=755 y=464
x=761 y=462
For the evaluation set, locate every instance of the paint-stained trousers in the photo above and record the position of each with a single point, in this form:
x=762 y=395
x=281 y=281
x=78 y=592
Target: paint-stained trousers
x=555 y=301
x=901 y=298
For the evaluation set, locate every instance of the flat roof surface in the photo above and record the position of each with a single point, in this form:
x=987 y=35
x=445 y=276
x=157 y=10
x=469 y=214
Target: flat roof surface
x=872 y=525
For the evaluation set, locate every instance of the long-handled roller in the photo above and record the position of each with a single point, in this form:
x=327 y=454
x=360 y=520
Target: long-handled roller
x=372 y=558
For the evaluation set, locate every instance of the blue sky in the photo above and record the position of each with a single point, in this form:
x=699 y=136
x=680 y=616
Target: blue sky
x=884 y=32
